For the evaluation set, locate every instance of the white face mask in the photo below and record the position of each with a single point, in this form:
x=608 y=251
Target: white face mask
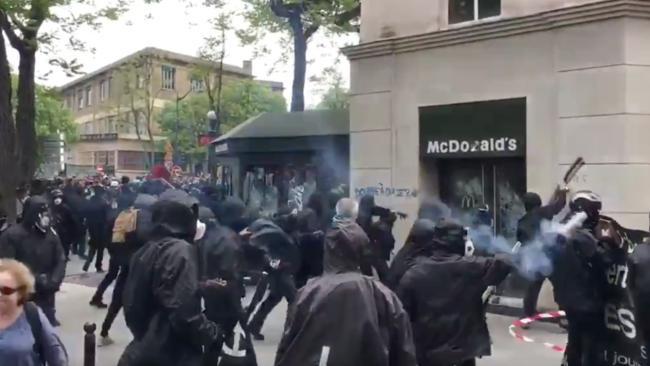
x=57 y=201
x=44 y=222
x=200 y=230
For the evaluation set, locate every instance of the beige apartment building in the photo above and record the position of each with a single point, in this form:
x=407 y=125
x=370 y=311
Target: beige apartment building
x=102 y=104
x=479 y=101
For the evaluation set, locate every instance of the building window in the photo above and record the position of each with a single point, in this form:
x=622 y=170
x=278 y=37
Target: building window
x=89 y=95
x=111 y=125
x=470 y=10
x=80 y=99
x=88 y=128
x=131 y=160
x=103 y=90
x=168 y=77
x=198 y=85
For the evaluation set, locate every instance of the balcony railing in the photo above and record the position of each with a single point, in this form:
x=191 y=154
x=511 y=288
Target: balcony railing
x=99 y=137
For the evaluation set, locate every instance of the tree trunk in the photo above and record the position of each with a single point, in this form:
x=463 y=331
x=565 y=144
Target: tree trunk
x=8 y=161
x=299 y=64
x=26 y=114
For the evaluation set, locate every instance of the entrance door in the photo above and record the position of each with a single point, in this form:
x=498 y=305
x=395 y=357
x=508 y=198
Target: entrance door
x=469 y=184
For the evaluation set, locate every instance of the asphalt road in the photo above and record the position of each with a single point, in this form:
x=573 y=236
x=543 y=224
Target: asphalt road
x=74 y=311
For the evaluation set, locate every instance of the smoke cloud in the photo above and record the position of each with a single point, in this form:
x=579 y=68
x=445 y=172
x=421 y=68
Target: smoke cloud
x=532 y=260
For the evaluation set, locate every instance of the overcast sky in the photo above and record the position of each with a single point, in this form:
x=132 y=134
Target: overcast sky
x=171 y=25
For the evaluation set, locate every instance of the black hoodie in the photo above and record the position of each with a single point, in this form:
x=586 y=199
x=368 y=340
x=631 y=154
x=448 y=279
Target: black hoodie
x=162 y=304
x=40 y=251
x=419 y=243
x=343 y=317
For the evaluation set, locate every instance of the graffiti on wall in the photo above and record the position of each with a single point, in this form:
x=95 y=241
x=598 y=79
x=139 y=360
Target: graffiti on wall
x=383 y=191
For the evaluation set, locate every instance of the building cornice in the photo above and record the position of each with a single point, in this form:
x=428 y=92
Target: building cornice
x=592 y=12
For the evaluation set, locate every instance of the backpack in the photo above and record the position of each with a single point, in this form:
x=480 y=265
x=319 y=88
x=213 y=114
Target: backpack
x=125 y=223
x=34 y=320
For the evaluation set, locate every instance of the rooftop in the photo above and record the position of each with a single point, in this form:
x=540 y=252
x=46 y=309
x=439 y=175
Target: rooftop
x=152 y=51
x=292 y=124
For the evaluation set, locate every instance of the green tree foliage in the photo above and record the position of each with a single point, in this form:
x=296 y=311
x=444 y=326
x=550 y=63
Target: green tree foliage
x=241 y=100
x=336 y=95
x=297 y=21
x=22 y=24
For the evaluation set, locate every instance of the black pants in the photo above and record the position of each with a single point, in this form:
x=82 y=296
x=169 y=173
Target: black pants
x=46 y=301
x=96 y=248
x=585 y=335
x=531 y=297
x=111 y=275
x=281 y=285
x=116 y=300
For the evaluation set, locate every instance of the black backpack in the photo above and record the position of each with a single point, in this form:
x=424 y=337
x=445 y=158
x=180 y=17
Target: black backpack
x=34 y=320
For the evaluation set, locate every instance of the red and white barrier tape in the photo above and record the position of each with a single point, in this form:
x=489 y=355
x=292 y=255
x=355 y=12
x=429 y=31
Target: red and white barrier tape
x=516 y=328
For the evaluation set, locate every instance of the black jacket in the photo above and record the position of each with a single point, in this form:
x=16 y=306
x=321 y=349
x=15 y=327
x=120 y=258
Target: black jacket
x=41 y=252
x=345 y=317
x=529 y=225
x=442 y=295
x=419 y=243
x=578 y=277
x=97 y=213
x=66 y=223
x=162 y=304
x=221 y=258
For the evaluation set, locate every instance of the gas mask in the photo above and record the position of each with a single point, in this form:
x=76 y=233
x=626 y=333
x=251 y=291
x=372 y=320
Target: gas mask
x=58 y=201
x=44 y=222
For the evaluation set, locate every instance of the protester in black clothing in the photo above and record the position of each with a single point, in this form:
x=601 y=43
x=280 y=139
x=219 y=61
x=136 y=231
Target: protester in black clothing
x=34 y=243
x=65 y=222
x=380 y=234
x=281 y=260
x=580 y=262
x=443 y=296
x=97 y=214
x=309 y=235
x=128 y=239
x=119 y=255
x=344 y=318
x=125 y=195
x=161 y=303
x=419 y=243
x=222 y=287
x=528 y=229
x=73 y=197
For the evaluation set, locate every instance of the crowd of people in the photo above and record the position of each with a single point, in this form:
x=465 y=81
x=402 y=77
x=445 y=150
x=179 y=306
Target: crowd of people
x=180 y=257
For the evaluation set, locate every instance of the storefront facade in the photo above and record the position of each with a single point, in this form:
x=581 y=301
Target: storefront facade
x=480 y=112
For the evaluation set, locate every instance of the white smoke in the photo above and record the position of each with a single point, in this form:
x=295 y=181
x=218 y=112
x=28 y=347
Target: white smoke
x=532 y=260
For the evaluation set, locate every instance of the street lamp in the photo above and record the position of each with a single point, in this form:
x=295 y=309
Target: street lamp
x=213 y=132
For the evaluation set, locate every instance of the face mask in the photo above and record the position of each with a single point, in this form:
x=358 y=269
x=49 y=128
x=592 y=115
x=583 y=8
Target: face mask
x=57 y=201
x=43 y=223
x=200 y=230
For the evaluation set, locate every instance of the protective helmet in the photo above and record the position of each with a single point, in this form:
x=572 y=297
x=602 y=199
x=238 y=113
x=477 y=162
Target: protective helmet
x=586 y=201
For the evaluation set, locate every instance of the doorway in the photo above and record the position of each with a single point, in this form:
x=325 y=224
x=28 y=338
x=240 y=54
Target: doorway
x=496 y=184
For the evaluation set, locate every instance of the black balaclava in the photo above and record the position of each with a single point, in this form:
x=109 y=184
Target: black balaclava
x=173 y=219
x=531 y=201
x=450 y=236
x=36 y=215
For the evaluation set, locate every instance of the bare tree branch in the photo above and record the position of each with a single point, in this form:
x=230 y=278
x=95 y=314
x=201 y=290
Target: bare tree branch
x=311 y=30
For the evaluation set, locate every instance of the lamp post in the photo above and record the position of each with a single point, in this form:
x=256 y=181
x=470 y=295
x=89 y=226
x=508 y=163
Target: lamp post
x=213 y=132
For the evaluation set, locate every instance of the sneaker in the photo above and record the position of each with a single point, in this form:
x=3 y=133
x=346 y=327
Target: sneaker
x=257 y=336
x=55 y=323
x=85 y=268
x=105 y=341
x=99 y=270
x=98 y=304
